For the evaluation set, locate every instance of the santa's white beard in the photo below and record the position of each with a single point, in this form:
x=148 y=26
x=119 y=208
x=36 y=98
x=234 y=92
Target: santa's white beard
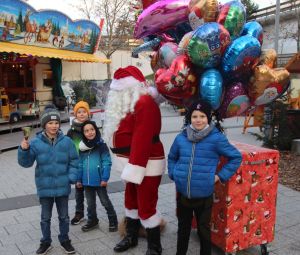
x=118 y=104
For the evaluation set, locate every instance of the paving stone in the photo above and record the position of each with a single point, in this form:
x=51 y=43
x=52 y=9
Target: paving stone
x=37 y=234
x=14 y=239
x=8 y=220
x=281 y=240
x=91 y=247
x=18 y=228
x=10 y=250
x=86 y=236
x=293 y=249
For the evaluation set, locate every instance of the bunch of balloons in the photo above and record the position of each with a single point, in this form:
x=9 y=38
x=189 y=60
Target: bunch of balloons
x=206 y=49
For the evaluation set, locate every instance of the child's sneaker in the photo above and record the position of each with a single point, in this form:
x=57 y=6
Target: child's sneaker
x=68 y=248
x=113 y=227
x=44 y=248
x=77 y=219
x=89 y=226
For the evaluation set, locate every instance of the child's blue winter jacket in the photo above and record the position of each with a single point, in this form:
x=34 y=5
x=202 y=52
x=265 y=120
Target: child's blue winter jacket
x=56 y=164
x=193 y=165
x=95 y=164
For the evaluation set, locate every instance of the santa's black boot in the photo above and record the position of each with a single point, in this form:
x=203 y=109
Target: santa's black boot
x=153 y=239
x=131 y=238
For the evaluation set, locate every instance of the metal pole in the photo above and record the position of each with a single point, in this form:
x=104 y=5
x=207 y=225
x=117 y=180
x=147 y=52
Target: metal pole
x=277 y=17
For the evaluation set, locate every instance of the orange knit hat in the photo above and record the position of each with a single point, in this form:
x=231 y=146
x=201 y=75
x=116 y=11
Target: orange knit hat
x=81 y=104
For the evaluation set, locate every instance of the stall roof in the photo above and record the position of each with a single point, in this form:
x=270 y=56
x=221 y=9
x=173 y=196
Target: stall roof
x=51 y=53
x=293 y=66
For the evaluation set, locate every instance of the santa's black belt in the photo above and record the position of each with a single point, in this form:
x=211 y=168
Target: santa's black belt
x=126 y=149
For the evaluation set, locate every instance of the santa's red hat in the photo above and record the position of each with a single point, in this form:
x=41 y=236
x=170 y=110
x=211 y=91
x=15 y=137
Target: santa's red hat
x=127 y=77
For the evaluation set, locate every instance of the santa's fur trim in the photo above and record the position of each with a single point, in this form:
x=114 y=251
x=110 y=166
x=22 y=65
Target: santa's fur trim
x=154 y=167
x=142 y=230
x=125 y=83
x=132 y=213
x=118 y=104
x=133 y=173
x=152 y=222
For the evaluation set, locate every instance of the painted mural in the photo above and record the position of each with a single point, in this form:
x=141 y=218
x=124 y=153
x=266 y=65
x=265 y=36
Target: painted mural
x=21 y=24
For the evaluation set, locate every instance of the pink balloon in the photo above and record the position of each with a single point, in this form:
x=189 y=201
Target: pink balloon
x=235 y=101
x=160 y=17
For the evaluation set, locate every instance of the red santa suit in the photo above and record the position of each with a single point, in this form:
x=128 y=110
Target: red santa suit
x=138 y=148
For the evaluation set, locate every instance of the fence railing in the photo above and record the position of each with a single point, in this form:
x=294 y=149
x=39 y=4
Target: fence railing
x=271 y=10
x=283 y=59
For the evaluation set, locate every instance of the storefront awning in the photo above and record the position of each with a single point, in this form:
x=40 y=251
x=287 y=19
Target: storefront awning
x=51 y=53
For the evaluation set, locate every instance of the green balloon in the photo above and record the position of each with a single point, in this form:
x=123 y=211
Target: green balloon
x=198 y=51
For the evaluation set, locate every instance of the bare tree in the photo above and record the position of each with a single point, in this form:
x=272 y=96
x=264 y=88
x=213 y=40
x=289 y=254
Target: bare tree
x=289 y=26
x=86 y=7
x=118 y=25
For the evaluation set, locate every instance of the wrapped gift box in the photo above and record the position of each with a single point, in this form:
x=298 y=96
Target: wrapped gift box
x=244 y=209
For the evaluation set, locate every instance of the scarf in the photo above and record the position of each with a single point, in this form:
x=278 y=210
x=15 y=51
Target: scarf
x=195 y=136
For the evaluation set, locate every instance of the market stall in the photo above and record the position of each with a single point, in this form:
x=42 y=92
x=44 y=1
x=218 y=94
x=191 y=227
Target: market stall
x=33 y=45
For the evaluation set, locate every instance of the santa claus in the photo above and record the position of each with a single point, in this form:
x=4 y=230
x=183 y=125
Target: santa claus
x=132 y=127
x=271 y=92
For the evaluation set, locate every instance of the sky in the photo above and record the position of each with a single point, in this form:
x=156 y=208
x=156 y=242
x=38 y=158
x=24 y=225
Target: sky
x=65 y=7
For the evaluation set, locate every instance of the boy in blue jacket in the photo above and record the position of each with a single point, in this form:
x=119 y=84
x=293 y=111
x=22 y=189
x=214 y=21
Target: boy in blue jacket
x=56 y=168
x=192 y=164
x=94 y=172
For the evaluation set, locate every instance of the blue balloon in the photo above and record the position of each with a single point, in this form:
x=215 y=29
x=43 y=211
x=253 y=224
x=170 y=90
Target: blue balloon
x=211 y=88
x=240 y=58
x=254 y=29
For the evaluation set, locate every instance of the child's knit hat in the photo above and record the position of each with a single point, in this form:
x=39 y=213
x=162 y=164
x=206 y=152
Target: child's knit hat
x=81 y=104
x=201 y=106
x=49 y=114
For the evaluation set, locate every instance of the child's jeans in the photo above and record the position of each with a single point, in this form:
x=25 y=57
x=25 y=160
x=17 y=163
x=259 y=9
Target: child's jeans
x=201 y=208
x=46 y=214
x=79 y=198
x=90 y=194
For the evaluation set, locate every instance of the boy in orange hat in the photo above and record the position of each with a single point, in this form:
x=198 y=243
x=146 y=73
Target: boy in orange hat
x=82 y=114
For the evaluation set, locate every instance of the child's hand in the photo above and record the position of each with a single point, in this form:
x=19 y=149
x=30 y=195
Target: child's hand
x=25 y=144
x=217 y=178
x=103 y=184
x=79 y=185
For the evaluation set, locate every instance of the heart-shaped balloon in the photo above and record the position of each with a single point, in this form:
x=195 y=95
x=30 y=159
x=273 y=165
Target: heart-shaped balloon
x=235 y=101
x=211 y=87
x=267 y=84
x=179 y=82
